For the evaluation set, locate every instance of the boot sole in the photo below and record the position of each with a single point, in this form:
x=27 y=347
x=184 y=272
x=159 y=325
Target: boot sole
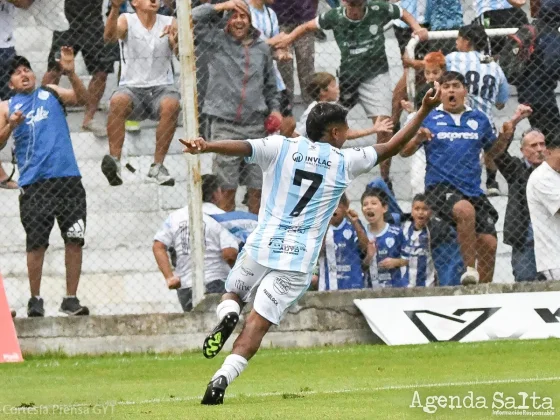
x=214 y=342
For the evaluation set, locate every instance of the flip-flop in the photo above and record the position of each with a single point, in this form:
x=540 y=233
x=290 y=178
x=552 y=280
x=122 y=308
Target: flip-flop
x=8 y=185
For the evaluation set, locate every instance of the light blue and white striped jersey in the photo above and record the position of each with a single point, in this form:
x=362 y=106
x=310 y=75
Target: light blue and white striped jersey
x=266 y=22
x=486 y=83
x=417 y=8
x=482 y=6
x=302 y=185
x=420 y=271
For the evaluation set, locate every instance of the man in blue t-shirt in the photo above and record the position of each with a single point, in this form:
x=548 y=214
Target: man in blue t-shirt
x=454 y=136
x=48 y=172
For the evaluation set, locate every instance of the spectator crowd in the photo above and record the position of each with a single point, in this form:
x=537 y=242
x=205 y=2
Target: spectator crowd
x=245 y=52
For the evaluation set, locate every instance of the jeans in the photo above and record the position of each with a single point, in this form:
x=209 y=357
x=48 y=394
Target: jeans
x=448 y=263
x=523 y=263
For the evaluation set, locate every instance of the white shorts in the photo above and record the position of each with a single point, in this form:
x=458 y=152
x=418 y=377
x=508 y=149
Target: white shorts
x=272 y=291
x=376 y=95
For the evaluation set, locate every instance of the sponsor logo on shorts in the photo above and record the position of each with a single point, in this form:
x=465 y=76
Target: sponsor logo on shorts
x=77 y=230
x=240 y=285
x=281 y=285
x=247 y=272
x=272 y=298
x=285 y=246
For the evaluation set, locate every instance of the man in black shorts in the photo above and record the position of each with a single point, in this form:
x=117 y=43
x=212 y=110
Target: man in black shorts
x=85 y=35
x=48 y=173
x=454 y=136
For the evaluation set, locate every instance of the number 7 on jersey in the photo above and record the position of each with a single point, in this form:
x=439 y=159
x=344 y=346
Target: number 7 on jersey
x=315 y=179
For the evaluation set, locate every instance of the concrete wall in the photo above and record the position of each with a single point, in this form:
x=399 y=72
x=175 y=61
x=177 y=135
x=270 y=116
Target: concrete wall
x=319 y=318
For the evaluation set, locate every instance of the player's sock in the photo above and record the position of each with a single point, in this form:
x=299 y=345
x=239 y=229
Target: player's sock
x=226 y=307
x=232 y=367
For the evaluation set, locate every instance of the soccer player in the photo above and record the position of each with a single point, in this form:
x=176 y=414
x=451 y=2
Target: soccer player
x=304 y=179
x=485 y=81
x=453 y=137
x=364 y=69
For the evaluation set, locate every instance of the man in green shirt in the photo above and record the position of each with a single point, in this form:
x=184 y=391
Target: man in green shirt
x=364 y=69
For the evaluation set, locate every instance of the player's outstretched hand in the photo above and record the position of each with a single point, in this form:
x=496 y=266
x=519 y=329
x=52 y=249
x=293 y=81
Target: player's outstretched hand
x=384 y=125
x=432 y=97
x=16 y=119
x=194 y=146
x=66 y=60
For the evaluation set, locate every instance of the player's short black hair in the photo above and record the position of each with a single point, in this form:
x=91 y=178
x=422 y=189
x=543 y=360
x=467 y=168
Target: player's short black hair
x=476 y=35
x=344 y=200
x=322 y=116
x=552 y=141
x=420 y=198
x=210 y=184
x=17 y=61
x=450 y=76
x=375 y=192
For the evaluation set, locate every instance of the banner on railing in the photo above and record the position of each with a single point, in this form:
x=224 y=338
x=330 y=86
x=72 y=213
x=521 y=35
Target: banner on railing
x=422 y=320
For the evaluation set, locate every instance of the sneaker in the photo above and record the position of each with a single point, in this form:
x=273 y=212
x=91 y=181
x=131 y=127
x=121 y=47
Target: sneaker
x=95 y=128
x=35 y=307
x=470 y=277
x=217 y=338
x=71 y=306
x=492 y=189
x=160 y=174
x=111 y=168
x=215 y=391
x=132 y=126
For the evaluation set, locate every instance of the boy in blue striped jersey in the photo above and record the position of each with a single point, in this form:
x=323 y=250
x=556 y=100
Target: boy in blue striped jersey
x=384 y=255
x=303 y=181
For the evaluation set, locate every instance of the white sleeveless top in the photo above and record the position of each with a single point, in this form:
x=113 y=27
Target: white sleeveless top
x=146 y=59
x=7 y=13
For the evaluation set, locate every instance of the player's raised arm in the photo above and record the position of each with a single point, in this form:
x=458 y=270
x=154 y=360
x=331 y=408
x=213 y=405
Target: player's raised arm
x=223 y=147
x=405 y=134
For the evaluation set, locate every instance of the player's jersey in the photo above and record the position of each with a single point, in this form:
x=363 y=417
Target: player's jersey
x=486 y=83
x=420 y=270
x=302 y=185
x=361 y=42
x=43 y=144
x=389 y=243
x=342 y=266
x=453 y=154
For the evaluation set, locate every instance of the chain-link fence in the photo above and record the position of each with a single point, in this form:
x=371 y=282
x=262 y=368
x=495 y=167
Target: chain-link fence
x=425 y=220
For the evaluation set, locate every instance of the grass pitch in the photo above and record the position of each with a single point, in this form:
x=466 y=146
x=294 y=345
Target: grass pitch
x=351 y=382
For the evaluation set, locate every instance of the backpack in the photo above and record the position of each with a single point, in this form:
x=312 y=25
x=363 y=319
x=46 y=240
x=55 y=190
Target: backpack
x=517 y=52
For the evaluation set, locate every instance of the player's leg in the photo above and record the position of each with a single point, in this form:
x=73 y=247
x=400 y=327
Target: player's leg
x=277 y=291
x=464 y=216
x=123 y=104
x=487 y=243
x=245 y=276
x=376 y=95
x=59 y=40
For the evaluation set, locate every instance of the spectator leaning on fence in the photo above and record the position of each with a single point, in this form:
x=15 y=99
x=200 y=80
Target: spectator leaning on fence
x=453 y=136
x=543 y=196
x=364 y=69
x=220 y=252
x=241 y=93
x=146 y=86
x=518 y=231
x=486 y=83
x=49 y=176
x=7 y=52
x=291 y=14
x=85 y=35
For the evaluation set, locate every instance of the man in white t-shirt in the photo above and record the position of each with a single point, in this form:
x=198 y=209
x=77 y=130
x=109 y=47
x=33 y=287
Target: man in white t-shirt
x=146 y=88
x=219 y=255
x=543 y=196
